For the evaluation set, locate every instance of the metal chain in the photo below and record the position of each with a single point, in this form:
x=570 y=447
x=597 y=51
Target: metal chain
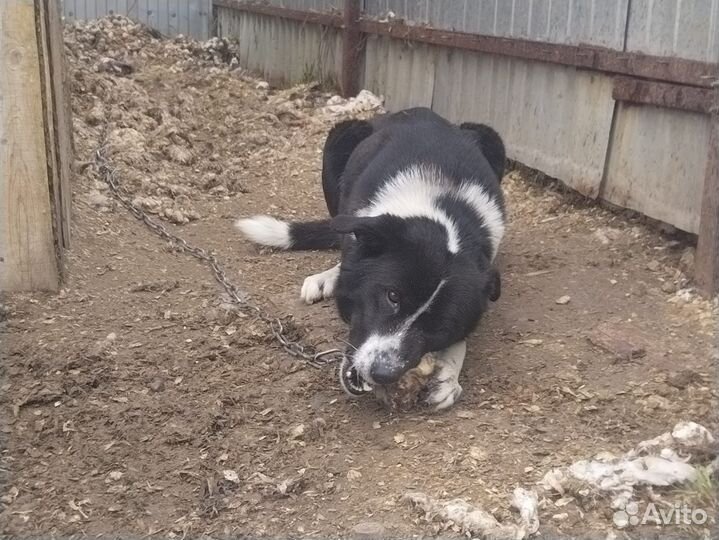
x=294 y=348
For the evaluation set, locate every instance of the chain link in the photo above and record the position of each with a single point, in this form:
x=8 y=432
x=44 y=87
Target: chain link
x=294 y=348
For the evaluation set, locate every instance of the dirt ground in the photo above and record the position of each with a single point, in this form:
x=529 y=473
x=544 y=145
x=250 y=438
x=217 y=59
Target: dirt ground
x=138 y=401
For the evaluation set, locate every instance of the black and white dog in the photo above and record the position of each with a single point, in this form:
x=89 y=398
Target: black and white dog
x=417 y=209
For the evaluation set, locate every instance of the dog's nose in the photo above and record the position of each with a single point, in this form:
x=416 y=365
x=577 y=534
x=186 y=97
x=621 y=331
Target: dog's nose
x=382 y=373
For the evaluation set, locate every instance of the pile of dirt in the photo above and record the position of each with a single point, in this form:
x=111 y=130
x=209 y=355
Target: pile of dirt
x=167 y=152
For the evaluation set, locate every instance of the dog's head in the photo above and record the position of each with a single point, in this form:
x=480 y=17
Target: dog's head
x=405 y=294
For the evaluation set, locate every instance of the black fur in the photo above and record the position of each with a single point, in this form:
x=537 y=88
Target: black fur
x=491 y=145
x=418 y=283
x=342 y=139
x=318 y=234
x=410 y=256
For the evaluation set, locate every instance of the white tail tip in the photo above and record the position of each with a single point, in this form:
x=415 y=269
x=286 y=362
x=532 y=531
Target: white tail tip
x=266 y=231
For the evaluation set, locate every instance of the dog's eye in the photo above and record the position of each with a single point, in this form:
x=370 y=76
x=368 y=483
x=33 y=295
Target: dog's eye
x=393 y=298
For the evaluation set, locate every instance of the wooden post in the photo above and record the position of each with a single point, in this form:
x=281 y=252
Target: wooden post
x=351 y=48
x=35 y=146
x=707 y=260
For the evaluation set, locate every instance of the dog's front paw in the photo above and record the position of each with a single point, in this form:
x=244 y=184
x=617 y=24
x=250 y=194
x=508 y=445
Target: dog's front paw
x=312 y=289
x=442 y=394
x=320 y=286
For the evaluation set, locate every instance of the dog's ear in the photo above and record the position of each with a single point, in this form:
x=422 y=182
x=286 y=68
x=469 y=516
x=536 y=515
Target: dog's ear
x=493 y=287
x=373 y=233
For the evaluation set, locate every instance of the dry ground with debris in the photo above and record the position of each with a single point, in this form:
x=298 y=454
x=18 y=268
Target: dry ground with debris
x=138 y=401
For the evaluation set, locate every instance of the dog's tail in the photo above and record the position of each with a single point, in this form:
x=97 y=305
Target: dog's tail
x=268 y=231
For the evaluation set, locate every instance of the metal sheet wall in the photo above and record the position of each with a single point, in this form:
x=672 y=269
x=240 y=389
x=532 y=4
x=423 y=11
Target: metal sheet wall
x=403 y=72
x=657 y=162
x=683 y=28
x=171 y=17
x=596 y=22
x=283 y=51
x=552 y=118
x=657 y=157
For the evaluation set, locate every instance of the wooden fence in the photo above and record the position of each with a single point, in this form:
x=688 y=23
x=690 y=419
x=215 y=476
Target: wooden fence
x=35 y=146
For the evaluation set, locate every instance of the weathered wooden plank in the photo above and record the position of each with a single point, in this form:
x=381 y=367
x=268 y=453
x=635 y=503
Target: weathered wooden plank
x=351 y=48
x=707 y=262
x=58 y=122
x=27 y=250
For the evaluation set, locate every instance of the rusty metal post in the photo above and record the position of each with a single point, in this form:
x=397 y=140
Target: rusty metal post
x=707 y=261
x=351 y=48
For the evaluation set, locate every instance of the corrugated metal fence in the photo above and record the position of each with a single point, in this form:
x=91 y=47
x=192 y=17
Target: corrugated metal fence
x=556 y=118
x=171 y=17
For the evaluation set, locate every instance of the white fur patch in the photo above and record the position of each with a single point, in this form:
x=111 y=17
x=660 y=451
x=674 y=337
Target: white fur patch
x=386 y=347
x=319 y=286
x=266 y=231
x=486 y=208
x=414 y=192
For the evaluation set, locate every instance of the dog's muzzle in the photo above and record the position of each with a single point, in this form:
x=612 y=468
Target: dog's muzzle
x=350 y=379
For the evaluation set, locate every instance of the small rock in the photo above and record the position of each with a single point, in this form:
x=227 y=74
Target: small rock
x=655 y=401
x=683 y=378
x=606 y=235
x=369 y=530
x=11 y=495
x=115 y=475
x=175 y=216
x=654 y=265
x=157 y=384
x=640 y=289
x=179 y=154
x=625 y=343
x=400 y=438
x=693 y=435
x=262 y=85
x=353 y=475
x=669 y=287
x=150 y=204
x=100 y=350
x=96 y=116
x=231 y=476
x=467 y=415
x=98 y=200
x=563 y=300
x=297 y=432
x=560 y=517
x=116 y=67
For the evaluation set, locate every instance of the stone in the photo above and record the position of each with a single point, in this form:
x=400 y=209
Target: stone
x=368 y=530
